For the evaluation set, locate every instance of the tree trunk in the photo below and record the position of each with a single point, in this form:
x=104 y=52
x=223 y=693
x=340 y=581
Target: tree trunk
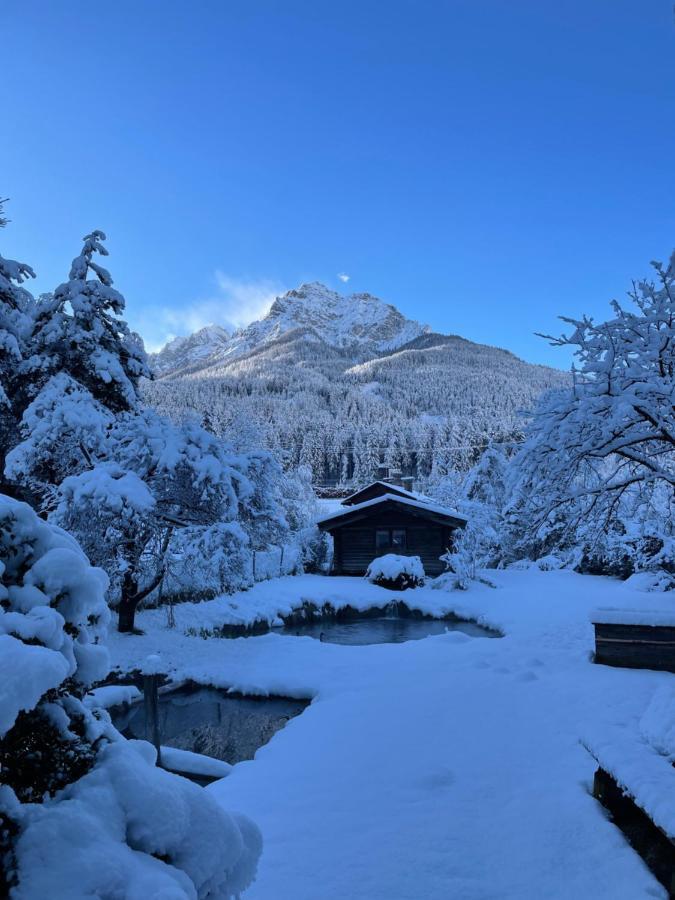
x=132 y=595
x=127 y=615
x=128 y=604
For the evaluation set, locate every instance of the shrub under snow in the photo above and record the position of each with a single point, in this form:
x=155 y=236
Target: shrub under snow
x=83 y=812
x=396 y=572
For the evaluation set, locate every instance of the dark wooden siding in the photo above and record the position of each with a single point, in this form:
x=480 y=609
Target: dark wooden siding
x=636 y=646
x=355 y=544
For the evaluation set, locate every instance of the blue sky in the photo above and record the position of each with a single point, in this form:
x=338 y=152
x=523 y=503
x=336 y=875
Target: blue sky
x=483 y=166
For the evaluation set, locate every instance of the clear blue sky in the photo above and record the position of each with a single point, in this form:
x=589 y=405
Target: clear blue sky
x=484 y=166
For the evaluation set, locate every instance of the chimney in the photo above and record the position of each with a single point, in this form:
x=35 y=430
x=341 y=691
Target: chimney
x=407 y=483
x=382 y=472
x=395 y=477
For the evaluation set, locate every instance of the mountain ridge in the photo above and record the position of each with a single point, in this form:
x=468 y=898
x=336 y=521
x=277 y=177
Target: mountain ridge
x=343 y=384
x=359 y=323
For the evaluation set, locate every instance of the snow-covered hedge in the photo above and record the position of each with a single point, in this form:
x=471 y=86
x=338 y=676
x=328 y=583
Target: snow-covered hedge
x=83 y=812
x=396 y=572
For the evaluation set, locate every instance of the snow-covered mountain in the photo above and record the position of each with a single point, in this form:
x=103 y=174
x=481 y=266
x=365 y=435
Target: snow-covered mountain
x=356 y=321
x=360 y=323
x=198 y=349
x=341 y=383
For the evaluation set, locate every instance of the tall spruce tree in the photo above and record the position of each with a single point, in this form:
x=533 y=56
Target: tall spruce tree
x=99 y=350
x=14 y=303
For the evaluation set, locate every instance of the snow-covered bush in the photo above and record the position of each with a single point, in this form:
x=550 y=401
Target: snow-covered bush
x=397 y=573
x=315 y=549
x=53 y=616
x=474 y=547
x=204 y=561
x=83 y=812
x=481 y=498
x=128 y=829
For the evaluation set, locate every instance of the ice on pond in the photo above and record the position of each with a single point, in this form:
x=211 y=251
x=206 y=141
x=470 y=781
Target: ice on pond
x=383 y=630
x=211 y=722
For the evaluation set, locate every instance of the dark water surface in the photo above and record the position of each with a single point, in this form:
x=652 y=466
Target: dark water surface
x=383 y=630
x=209 y=721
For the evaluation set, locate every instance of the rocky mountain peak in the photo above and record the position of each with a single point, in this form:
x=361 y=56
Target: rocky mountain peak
x=341 y=320
x=359 y=322
x=197 y=349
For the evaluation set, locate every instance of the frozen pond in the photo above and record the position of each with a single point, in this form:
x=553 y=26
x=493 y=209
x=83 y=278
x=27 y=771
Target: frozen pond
x=208 y=721
x=383 y=630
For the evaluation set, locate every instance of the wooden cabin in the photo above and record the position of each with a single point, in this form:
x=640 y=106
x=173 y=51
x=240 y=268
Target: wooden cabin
x=387 y=518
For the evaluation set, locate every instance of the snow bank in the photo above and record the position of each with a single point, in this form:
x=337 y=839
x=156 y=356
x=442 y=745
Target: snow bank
x=194 y=763
x=104 y=835
x=646 y=775
x=657 y=725
x=268 y=603
x=613 y=616
x=111 y=695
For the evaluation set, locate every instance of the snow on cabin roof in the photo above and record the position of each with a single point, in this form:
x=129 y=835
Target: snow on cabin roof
x=397 y=488
x=396 y=498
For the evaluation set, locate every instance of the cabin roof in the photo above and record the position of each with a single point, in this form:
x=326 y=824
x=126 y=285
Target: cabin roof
x=386 y=488
x=440 y=514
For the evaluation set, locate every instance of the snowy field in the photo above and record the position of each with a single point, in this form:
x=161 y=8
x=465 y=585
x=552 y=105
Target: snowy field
x=449 y=767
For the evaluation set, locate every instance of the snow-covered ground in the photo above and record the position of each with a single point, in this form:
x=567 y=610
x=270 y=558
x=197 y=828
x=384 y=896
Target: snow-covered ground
x=449 y=767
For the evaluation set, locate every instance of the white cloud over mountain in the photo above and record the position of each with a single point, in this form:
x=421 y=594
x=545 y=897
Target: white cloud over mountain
x=236 y=302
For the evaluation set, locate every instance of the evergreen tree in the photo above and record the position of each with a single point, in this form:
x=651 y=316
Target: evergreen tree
x=98 y=349
x=14 y=303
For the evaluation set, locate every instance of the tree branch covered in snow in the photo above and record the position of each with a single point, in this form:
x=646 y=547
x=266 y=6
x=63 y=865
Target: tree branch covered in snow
x=598 y=468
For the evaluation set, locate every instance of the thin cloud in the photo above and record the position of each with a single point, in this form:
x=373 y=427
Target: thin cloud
x=237 y=303
x=344 y=277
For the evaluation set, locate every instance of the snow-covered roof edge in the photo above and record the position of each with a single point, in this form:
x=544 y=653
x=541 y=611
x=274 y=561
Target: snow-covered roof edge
x=413 y=494
x=397 y=498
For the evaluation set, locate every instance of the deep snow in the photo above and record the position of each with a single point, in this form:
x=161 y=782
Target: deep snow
x=449 y=767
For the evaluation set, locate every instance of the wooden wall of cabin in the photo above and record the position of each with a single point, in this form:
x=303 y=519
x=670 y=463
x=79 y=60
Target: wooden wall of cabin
x=354 y=545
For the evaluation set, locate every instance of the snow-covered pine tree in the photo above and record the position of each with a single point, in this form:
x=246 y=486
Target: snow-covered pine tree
x=99 y=349
x=15 y=301
x=80 y=371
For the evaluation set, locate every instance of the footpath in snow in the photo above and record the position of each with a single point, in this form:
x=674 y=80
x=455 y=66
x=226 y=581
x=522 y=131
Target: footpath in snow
x=449 y=767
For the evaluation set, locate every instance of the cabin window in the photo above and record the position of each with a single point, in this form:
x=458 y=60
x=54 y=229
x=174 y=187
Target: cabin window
x=398 y=541
x=390 y=539
x=382 y=539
